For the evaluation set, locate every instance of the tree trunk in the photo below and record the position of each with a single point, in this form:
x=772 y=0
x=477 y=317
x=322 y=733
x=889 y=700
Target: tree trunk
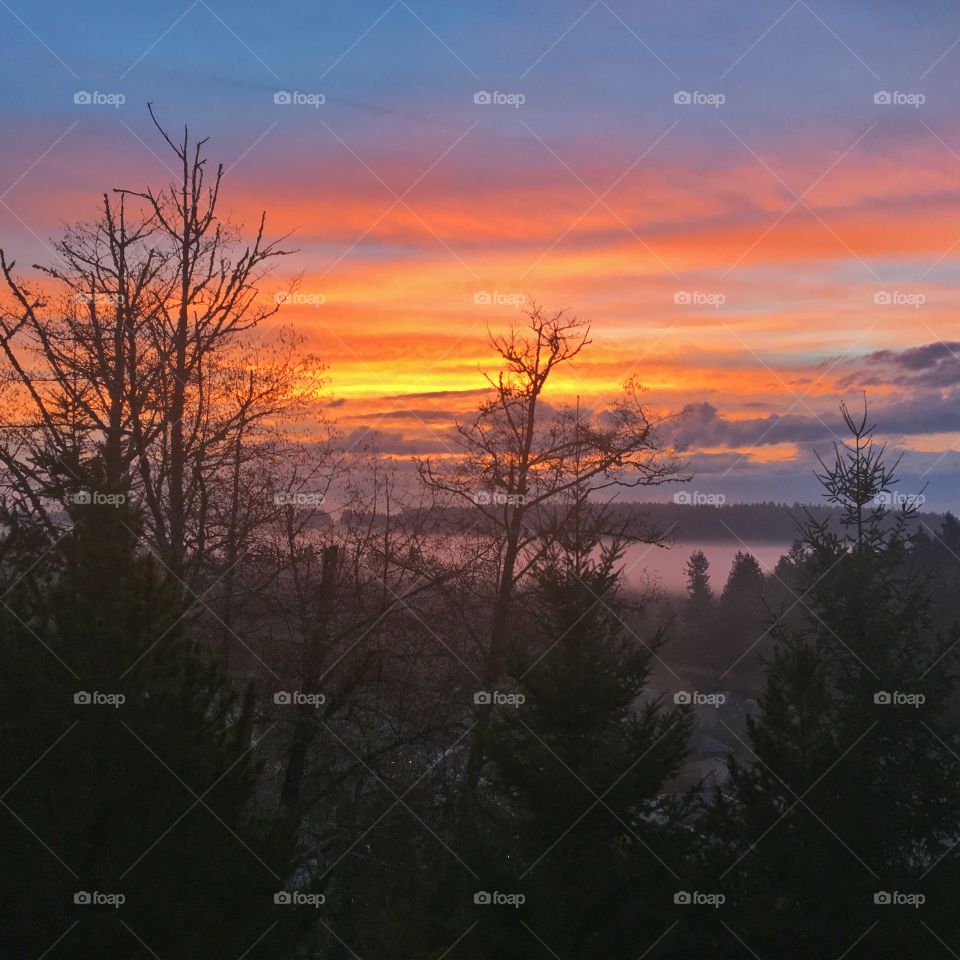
x=313 y=656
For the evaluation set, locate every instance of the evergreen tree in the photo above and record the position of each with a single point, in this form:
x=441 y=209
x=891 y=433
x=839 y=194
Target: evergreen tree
x=744 y=586
x=950 y=535
x=937 y=553
x=697 y=570
x=586 y=834
x=789 y=569
x=131 y=766
x=783 y=592
x=742 y=614
x=850 y=795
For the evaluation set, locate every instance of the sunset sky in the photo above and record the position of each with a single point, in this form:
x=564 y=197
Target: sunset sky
x=753 y=261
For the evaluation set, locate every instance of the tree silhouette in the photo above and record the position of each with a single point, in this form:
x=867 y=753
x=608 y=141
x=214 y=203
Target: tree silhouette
x=150 y=765
x=844 y=798
x=522 y=461
x=699 y=593
x=580 y=768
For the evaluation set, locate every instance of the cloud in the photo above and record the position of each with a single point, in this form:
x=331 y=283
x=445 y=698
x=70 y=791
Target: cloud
x=702 y=425
x=932 y=365
x=439 y=394
x=395 y=444
x=422 y=415
x=920 y=412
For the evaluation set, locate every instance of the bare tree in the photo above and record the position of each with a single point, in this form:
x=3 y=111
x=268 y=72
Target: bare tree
x=140 y=356
x=357 y=614
x=81 y=369
x=212 y=299
x=526 y=462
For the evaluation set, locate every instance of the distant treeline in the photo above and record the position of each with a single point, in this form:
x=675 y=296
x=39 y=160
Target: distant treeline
x=775 y=522
x=769 y=522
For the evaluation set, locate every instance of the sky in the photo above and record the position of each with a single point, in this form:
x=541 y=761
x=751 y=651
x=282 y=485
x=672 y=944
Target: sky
x=756 y=206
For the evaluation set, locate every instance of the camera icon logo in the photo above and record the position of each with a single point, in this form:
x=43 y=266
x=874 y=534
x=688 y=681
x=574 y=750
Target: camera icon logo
x=682 y=897
x=882 y=97
x=882 y=897
x=482 y=697
x=283 y=698
x=682 y=298
x=883 y=298
x=882 y=697
x=482 y=299
x=83 y=496
x=82 y=897
x=82 y=697
x=283 y=97
x=283 y=897
x=682 y=96
x=82 y=97
x=682 y=698
x=482 y=897
x=482 y=97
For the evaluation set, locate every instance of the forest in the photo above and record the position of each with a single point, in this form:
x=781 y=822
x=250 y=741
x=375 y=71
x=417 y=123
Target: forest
x=266 y=693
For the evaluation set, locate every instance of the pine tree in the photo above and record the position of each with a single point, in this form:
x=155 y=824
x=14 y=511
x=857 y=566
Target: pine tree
x=699 y=593
x=744 y=585
x=133 y=767
x=851 y=792
x=585 y=832
x=742 y=614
